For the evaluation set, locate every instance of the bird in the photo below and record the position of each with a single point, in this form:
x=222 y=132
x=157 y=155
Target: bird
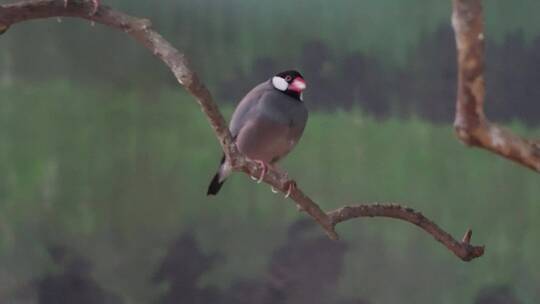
x=267 y=124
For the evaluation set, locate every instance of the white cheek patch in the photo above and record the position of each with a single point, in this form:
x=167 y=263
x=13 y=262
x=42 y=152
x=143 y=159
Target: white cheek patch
x=280 y=83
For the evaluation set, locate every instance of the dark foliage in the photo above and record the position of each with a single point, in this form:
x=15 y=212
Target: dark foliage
x=500 y=294
x=426 y=86
x=432 y=75
x=181 y=269
x=306 y=269
x=73 y=284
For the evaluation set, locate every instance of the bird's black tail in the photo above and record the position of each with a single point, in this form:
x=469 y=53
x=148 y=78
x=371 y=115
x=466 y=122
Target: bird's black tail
x=215 y=185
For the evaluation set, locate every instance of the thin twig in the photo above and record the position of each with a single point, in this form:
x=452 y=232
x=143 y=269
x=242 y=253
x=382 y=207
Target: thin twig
x=464 y=250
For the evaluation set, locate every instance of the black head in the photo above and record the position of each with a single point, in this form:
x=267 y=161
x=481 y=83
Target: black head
x=290 y=82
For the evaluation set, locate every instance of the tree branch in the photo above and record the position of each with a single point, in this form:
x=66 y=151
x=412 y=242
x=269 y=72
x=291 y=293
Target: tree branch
x=463 y=249
x=471 y=125
x=140 y=29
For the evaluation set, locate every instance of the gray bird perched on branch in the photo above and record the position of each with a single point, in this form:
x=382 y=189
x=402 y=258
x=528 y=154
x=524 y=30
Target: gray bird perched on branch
x=267 y=124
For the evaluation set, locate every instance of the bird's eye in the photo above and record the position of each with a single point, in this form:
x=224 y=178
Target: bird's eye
x=288 y=78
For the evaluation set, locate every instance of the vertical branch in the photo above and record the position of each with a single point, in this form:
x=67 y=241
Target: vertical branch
x=471 y=125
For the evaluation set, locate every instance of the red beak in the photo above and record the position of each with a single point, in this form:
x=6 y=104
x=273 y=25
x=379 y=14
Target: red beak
x=298 y=85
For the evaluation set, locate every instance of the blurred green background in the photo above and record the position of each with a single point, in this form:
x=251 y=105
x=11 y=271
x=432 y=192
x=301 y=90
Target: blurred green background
x=105 y=161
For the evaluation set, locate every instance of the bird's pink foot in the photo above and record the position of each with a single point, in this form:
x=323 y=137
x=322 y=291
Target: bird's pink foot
x=264 y=170
x=65 y=3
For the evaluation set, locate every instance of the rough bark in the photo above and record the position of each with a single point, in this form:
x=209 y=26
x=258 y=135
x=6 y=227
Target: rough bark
x=141 y=30
x=471 y=124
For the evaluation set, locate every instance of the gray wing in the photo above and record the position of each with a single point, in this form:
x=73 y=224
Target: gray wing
x=247 y=106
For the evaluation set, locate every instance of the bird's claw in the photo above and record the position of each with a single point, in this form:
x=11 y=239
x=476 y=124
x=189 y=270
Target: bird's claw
x=290 y=188
x=291 y=184
x=264 y=170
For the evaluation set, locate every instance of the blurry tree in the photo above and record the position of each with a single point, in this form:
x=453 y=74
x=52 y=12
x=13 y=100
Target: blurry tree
x=365 y=83
x=513 y=75
x=316 y=62
x=305 y=270
x=500 y=294
x=506 y=75
x=181 y=270
x=237 y=82
x=225 y=45
x=432 y=76
x=73 y=283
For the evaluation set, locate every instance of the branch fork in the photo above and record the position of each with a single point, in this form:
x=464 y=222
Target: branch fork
x=471 y=125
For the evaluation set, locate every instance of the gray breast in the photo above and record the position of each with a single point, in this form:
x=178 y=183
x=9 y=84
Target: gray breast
x=271 y=127
x=284 y=109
